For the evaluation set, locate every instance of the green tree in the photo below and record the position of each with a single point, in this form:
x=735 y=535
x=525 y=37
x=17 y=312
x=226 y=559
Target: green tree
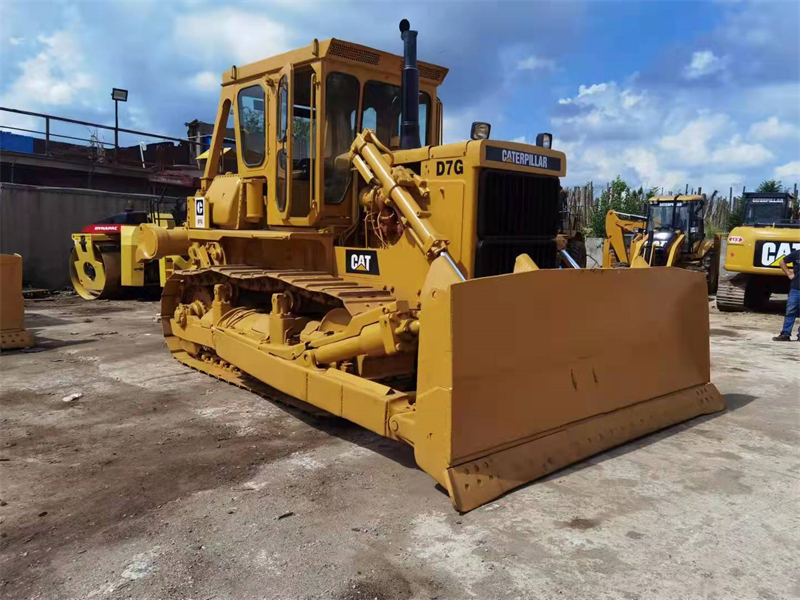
x=621 y=198
x=736 y=217
x=770 y=185
x=252 y=121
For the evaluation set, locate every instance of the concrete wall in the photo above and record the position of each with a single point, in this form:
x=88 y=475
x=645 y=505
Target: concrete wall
x=37 y=222
x=594 y=253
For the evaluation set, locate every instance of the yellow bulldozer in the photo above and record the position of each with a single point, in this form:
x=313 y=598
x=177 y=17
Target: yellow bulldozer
x=416 y=288
x=671 y=235
x=103 y=260
x=770 y=231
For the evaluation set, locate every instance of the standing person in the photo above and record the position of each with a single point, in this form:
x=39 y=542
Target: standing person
x=793 y=303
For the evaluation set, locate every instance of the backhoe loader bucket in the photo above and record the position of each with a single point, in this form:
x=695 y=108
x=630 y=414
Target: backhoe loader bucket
x=523 y=374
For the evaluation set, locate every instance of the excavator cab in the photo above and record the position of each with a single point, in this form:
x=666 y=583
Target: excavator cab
x=767 y=209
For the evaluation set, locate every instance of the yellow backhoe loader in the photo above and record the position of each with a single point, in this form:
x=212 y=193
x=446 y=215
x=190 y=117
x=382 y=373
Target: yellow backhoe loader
x=356 y=263
x=103 y=259
x=672 y=236
x=620 y=231
x=771 y=230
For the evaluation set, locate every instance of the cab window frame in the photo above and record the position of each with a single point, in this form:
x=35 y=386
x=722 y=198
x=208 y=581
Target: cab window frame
x=338 y=199
x=426 y=109
x=240 y=130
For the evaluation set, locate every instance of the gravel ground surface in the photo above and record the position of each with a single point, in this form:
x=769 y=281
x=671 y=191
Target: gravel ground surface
x=161 y=483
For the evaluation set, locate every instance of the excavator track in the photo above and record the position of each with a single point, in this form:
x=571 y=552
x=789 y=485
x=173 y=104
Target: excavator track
x=731 y=296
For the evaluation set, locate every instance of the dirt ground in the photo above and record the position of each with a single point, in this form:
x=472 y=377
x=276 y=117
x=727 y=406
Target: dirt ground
x=162 y=483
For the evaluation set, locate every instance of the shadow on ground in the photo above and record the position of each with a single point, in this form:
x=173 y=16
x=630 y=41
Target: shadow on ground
x=733 y=402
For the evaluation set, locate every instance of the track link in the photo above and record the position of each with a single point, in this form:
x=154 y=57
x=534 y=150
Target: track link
x=223 y=371
x=731 y=296
x=338 y=290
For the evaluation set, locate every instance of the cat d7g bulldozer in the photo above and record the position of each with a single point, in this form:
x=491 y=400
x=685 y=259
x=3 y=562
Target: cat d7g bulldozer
x=360 y=265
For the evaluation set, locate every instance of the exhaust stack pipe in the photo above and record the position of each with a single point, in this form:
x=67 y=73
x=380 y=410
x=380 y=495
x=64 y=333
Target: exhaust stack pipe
x=409 y=127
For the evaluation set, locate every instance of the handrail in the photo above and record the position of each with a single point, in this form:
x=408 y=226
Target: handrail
x=77 y=122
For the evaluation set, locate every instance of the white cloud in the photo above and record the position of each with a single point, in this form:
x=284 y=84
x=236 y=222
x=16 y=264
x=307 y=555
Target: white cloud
x=703 y=63
x=740 y=153
x=56 y=76
x=691 y=142
x=602 y=108
x=457 y=125
x=520 y=140
x=205 y=81
x=789 y=171
x=536 y=63
x=699 y=143
x=16 y=41
x=653 y=140
x=232 y=35
x=645 y=163
x=773 y=129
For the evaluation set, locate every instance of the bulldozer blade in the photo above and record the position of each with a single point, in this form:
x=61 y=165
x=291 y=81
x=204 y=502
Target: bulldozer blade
x=523 y=374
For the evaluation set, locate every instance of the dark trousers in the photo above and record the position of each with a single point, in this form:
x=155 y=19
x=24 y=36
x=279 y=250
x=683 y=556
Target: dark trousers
x=792 y=312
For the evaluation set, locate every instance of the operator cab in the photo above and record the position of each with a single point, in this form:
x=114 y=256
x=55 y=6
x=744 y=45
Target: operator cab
x=770 y=210
x=294 y=117
x=670 y=216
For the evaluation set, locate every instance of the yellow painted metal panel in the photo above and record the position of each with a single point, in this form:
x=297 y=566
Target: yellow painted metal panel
x=562 y=360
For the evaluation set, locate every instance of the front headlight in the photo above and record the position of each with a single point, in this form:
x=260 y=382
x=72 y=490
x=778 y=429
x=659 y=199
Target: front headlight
x=480 y=131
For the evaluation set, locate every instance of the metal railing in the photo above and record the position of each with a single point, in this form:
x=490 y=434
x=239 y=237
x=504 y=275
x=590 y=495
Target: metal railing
x=48 y=135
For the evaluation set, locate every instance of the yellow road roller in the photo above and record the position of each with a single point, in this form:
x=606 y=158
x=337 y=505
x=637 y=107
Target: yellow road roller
x=103 y=259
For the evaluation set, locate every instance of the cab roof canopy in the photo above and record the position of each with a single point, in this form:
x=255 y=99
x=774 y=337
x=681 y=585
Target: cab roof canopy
x=338 y=50
x=679 y=198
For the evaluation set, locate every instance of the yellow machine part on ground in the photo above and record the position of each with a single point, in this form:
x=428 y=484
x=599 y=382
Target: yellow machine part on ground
x=12 y=306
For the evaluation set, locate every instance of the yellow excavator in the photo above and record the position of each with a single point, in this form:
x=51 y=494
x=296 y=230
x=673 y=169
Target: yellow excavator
x=416 y=288
x=770 y=231
x=671 y=235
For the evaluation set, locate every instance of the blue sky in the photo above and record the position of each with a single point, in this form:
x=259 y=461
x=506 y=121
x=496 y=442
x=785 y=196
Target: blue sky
x=661 y=93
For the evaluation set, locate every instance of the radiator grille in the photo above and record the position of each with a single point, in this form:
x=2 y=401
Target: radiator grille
x=517 y=213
